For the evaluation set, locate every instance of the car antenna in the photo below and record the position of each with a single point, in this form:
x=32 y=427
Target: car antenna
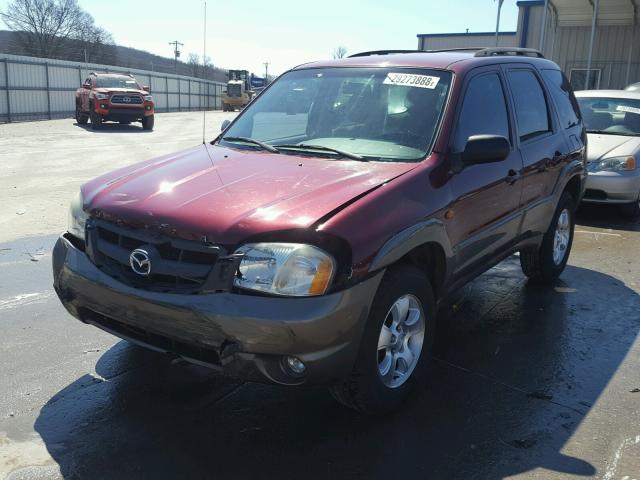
x=204 y=70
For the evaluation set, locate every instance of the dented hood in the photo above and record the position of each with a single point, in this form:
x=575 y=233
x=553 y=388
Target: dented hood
x=231 y=194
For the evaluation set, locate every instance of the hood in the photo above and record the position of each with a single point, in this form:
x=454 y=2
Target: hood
x=120 y=90
x=600 y=146
x=231 y=194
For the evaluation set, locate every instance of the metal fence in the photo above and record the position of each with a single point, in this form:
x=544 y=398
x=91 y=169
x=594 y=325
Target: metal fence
x=38 y=88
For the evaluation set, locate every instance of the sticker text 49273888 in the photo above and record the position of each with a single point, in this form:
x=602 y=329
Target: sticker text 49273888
x=411 y=80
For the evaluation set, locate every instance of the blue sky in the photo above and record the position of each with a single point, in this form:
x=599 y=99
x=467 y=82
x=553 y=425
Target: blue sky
x=288 y=32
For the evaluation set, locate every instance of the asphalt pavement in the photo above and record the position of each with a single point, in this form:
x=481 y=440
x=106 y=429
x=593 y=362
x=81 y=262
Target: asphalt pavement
x=528 y=382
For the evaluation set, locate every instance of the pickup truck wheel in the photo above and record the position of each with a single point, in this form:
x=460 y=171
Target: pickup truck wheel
x=96 y=120
x=546 y=263
x=147 y=122
x=396 y=344
x=81 y=118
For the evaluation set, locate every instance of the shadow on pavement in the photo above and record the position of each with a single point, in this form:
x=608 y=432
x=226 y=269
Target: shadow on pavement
x=606 y=216
x=517 y=369
x=115 y=127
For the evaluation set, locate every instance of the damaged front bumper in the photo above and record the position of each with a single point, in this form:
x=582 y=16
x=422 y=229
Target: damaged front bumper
x=244 y=336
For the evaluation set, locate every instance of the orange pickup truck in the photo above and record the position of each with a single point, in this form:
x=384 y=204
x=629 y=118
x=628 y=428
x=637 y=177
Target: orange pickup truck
x=113 y=97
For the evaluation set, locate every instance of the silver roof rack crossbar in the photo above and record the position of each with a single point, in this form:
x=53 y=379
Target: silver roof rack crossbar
x=488 y=52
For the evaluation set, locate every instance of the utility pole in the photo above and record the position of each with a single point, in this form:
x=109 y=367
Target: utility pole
x=176 y=52
x=266 y=72
x=498 y=21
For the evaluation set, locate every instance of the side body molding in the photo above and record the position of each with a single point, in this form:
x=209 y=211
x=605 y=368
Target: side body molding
x=403 y=242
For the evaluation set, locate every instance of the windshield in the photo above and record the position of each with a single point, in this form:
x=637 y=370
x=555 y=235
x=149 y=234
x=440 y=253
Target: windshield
x=117 y=82
x=614 y=116
x=389 y=114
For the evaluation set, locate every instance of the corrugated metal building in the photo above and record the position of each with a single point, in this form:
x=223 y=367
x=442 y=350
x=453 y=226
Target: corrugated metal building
x=36 y=88
x=596 y=42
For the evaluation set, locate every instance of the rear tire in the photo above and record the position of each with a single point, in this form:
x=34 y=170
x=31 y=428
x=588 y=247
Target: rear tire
x=392 y=359
x=96 y=120
x=81 y=118
x=147 y=122
x=546 y=263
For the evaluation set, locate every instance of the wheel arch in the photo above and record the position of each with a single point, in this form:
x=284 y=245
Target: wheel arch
x=424 y=245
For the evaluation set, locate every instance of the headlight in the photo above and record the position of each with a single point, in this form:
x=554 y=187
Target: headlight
x=148 y=98
x=285 y=269
x=77 y=217
x=614 y=164
x=101 y=96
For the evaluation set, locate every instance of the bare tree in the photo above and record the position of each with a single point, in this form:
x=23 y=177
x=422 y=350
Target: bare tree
x=93 y=43
x=340 y=52
x=195 y=67
x=45 y=27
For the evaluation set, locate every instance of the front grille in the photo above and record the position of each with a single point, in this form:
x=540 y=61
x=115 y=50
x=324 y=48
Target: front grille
x=125 y=99
x=176 y=266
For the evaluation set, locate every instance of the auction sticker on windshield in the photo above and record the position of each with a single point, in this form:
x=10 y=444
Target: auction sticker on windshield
x=411 y=80
x=625 y=108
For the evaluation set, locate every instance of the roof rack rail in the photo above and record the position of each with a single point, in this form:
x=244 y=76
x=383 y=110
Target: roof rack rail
x=391 y=52
x=382 y=52
x=488 y=52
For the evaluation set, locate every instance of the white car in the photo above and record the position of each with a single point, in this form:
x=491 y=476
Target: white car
x=612 y=120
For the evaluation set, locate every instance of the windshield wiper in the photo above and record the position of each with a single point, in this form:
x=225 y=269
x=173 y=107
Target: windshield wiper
x=604 y=132
x=322 y=148
x=264 y=146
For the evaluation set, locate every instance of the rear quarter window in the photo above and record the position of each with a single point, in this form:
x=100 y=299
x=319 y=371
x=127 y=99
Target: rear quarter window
x=562 y=94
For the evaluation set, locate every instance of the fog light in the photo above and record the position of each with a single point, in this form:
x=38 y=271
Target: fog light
x=103 y=105
x=148 y=107
x=295 y=365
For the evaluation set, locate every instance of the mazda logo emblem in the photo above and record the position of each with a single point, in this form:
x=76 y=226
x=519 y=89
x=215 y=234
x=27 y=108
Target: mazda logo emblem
x=126 y=99
x=140 y=262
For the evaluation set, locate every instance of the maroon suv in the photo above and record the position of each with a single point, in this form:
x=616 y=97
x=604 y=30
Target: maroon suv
x=314 y=239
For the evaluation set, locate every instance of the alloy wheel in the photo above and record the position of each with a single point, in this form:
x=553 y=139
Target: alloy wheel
x=400 y=341
x=561 y=237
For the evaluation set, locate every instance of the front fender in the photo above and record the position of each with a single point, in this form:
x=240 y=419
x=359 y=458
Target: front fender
x=428 y=231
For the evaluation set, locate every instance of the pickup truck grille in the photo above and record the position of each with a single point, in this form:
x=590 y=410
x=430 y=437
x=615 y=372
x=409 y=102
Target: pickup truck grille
x=176 y=266
x=125 y=99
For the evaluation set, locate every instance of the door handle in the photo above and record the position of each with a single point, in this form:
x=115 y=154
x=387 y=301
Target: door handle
x=512 y=177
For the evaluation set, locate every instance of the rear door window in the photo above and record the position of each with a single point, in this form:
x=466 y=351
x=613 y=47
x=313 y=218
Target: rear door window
x=532 y=112
x=484 y=94
x=563 y=97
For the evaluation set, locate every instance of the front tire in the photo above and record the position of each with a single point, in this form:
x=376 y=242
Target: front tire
x=81 y=118
x=96 y=120
x=147 y=122
x=396 y=344
x=546 y=263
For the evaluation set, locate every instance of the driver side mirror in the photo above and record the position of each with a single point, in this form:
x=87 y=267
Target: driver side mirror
x=482 y=149
x=147 y=88
x=87 y=86
x=224 y=125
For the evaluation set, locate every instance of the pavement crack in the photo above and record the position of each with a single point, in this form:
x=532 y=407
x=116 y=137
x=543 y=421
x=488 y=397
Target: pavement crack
x=514 y=388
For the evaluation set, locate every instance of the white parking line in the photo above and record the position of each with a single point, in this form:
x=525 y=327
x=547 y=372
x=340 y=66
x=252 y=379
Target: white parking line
x=599 y=233
x=23 y=299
